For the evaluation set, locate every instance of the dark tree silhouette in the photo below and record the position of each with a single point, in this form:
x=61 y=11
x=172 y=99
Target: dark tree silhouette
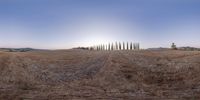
x=109 y=46
x=134 y=46
x=112 y=47
x=119 y=46
x=131 y=46
x=173 y=46
x=127 y=46
x=116 y=46
x=123 y=46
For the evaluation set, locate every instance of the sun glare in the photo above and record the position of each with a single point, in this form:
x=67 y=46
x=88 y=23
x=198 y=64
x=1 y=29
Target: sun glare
x=97 y=32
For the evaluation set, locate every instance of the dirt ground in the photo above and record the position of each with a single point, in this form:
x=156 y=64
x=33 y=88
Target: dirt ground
x=104 y=75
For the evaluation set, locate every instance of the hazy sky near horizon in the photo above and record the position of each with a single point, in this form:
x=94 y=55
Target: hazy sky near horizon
x=60 y=24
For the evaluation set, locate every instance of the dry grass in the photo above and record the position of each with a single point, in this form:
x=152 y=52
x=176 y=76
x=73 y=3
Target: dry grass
x=79 y=74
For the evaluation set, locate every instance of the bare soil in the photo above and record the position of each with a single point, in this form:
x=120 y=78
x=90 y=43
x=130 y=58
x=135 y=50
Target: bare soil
x=105 y=75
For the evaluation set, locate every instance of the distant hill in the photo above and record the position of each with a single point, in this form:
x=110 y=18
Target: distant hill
x=19 y=49
x=189 y=48
x=157 y=49
x=83 y=48
x=179 y=48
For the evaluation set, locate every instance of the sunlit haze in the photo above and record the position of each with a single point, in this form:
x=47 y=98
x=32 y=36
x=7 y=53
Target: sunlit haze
x=63 y=24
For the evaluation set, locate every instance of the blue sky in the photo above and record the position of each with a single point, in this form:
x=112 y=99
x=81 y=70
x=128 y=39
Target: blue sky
x=60 y=24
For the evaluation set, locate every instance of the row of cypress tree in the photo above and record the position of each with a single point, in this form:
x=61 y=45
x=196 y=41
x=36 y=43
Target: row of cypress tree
x=116 y=46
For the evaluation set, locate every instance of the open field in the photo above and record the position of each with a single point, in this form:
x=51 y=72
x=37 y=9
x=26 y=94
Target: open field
x=105 y=75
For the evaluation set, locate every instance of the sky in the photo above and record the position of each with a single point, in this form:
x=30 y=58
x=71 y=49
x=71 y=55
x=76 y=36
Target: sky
x=63 y=24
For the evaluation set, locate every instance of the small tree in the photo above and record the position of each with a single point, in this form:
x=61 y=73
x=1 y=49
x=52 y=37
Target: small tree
x=173 y=46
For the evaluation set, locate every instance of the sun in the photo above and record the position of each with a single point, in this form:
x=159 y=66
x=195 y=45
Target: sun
x=96 y=39
x=97 y=33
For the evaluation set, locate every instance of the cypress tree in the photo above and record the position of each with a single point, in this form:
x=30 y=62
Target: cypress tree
x=131 y=46
x=116 y=46
x=112 y=47
x=127 y=46
x=138 y=46
x=109 y=46
x=123 y=46
x=99 y=47
x=119 y=46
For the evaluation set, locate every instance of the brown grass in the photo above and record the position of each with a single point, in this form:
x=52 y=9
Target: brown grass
x=79 y=74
